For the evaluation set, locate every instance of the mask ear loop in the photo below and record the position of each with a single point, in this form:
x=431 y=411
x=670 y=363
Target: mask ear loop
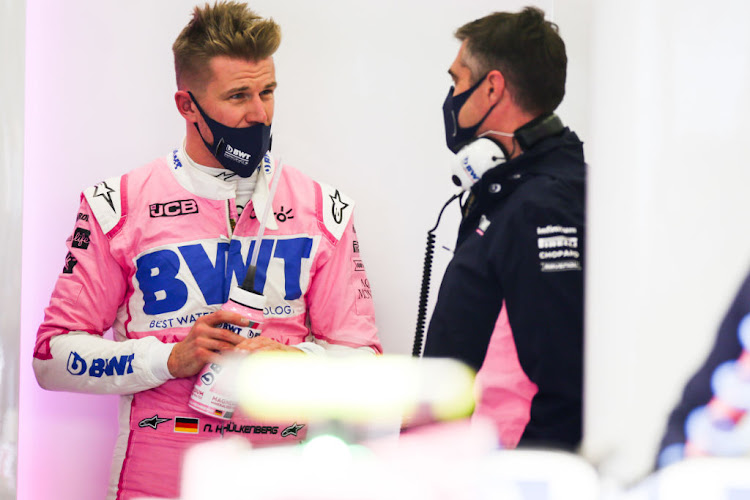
x=210 y=147
x=503 y=134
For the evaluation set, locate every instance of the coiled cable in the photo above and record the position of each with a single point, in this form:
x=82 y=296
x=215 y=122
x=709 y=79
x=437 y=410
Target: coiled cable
x=425 y=290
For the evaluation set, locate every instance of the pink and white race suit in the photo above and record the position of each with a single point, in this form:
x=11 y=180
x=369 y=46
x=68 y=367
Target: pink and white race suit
x=157 y=248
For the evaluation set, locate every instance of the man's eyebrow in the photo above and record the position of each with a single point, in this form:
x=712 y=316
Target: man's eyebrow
x=245 y=88
x=452 y=74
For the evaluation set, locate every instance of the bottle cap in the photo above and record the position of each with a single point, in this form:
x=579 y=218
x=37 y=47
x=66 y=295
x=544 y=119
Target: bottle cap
x=247 y=298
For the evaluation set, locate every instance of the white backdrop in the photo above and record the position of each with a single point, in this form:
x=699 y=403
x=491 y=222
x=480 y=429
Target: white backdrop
x=656 y=90
x=11 y=178
x=668 y=211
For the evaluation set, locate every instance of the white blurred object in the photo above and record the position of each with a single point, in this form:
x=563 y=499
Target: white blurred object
x=540 y=475
x=699 y=478
x=448 y=461
x=328 y=468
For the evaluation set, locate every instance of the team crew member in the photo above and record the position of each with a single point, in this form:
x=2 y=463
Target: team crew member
x=511 y=299
x=155 y=252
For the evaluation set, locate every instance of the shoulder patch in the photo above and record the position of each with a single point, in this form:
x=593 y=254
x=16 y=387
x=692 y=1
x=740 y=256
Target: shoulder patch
x=337 y=209
x=105 y=202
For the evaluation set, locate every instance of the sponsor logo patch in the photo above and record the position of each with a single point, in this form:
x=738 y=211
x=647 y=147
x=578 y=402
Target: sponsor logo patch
x=70 y=263
x=559 y=248
x=237 y=155
x=173 y=208
x=364 y=292
x=484 y=223
x=83 y=217
x=175 y=160
x=566 y=265
x=153 y=421
x=292 y=430
x=338 y=207
x=81 y=238
x=281 y=216
x=358 y=265
x=103 y=190
x=98 y=367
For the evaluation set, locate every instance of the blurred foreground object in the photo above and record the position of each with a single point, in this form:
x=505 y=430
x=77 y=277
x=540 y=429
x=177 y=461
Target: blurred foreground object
x=354 y=389
x=446 y=461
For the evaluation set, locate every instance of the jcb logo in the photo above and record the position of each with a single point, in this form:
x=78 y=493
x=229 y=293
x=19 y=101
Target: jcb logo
x=173 y=208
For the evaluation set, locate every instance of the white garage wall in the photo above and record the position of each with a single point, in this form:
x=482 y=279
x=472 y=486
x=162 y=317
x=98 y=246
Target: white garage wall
x=668 y=210
x=11 y=187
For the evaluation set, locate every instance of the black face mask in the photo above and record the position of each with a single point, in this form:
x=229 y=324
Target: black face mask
x=237 y=149
x=456 y=136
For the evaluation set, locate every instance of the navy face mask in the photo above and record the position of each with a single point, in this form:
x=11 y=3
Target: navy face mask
x=456 y=136
x=237 y=149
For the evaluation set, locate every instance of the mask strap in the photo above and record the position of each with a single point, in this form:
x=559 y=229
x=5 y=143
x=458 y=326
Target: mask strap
x=495 y=132
x=207 y=119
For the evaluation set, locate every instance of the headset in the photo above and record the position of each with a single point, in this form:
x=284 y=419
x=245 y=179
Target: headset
x=471 y=163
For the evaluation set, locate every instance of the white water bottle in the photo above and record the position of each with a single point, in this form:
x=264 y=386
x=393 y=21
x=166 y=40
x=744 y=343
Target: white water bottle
x=212 y=393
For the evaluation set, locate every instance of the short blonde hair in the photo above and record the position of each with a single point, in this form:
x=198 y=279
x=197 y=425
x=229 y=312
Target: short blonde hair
x=227 y=28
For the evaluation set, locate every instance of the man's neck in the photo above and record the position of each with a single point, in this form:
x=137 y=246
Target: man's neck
x=197 y=150
x=507 y=122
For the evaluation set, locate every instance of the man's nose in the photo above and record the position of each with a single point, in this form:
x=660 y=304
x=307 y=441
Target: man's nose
x=255 y=111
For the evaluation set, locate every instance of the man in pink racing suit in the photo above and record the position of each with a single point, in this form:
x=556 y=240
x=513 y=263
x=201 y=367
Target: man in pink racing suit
x=155 y=252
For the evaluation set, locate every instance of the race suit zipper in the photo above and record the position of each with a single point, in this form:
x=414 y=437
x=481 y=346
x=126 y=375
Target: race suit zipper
x=231 y=223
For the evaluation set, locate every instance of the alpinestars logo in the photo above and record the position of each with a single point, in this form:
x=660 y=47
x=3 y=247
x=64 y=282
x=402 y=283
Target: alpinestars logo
x=105 y=192
x=292 y=430
x=153 y=421
x=337 y=210
x=70 y=263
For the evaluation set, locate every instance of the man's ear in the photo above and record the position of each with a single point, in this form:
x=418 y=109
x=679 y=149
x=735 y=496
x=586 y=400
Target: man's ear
x=496 y=86
x=185 y=106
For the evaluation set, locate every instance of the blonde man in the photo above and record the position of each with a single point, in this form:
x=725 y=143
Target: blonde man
x=156 y=251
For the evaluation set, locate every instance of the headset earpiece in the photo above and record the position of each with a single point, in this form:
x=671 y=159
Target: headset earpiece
x=476 y=158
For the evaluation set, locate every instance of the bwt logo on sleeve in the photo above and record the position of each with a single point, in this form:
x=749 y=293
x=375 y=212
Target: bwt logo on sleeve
x=173 y=208
x=99 y=366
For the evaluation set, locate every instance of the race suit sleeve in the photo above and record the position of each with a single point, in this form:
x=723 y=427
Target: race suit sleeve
x=540 y=266
x=70 y=353
x=699 y=393
x=340 y=306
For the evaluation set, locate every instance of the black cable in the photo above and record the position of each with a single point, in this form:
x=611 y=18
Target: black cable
x=425 y=291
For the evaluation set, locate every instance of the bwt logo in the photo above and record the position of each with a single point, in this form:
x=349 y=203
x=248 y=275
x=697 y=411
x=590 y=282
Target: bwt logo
x=470 y=170
x=99 y=366
x=173 y=208
x=164 y=276
x=236 y=154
